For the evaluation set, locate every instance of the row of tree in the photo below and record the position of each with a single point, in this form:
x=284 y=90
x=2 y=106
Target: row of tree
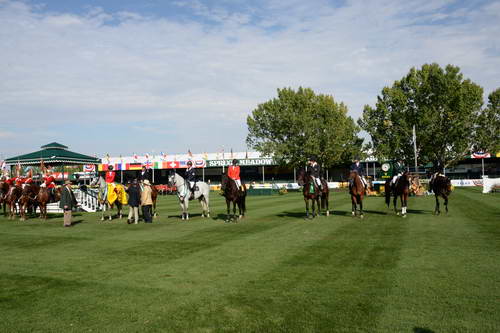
x=445 y=109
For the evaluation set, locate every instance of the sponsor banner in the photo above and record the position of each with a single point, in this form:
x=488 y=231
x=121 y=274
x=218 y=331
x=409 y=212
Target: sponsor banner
x=89 y=168
x=481 y=155
x=467 y=182
x=59 y=175
x=242 y=162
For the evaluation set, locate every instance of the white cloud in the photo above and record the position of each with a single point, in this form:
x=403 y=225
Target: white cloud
x=82 y=68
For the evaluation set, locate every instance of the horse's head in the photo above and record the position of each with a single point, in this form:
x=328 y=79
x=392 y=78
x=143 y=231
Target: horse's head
x=171 y=178
x=302 y=177
x=353 y=174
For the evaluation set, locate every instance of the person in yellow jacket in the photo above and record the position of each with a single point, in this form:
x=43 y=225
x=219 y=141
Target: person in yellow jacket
x=146 y=202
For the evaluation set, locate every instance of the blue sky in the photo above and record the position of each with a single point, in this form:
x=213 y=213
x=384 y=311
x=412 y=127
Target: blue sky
x=123 y=77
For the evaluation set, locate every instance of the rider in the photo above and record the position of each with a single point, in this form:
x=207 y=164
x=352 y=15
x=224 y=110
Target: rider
x=48 y=181
x=437 y=170
x=191 y=177
x=233 y=172
x=315 y=170
x=398 y=169
x=109 y=177
x=358 y=167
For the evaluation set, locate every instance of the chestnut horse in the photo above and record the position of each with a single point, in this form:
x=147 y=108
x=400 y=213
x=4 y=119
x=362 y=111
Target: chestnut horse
x=43 y=199
x=357 y=191
x=234 y=195
x=441 y=186
x=312 y=193
x=28 y=201
x=11 y=200
x=401 y=189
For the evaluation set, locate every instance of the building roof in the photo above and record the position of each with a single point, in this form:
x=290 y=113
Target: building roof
x=52 y=153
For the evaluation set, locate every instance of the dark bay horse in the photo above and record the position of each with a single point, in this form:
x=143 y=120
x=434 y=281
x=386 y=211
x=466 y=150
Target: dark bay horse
x=441 y=186
x=235 y=196
x=401 y=189
x=28 y=199
x=4 y=190
x=357 y=191
x=312 y=193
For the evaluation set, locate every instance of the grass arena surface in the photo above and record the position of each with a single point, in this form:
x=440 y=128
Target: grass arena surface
x=272 y=272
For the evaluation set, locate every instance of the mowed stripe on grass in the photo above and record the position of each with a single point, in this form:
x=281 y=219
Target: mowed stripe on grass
x=274 y=271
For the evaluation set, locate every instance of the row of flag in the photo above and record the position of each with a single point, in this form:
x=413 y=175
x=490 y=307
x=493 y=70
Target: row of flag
x=164 y=156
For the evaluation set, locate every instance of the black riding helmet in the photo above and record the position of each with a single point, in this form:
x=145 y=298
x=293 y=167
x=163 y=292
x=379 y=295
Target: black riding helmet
x=313 y=158
x=189 y=163
x=235 y=161
x=110 y=167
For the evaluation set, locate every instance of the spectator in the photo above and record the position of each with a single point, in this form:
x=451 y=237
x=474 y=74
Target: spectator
x=67 y=203
x=146 y=202
x=134 y=200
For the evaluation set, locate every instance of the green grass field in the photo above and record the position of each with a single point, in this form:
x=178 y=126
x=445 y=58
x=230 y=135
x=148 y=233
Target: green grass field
x=272 y=272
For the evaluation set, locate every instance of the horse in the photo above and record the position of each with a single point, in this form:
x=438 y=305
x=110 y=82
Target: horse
x=4 y=190
x=201 y=193
x=11 y=200
x=400 y=189
x=441 y=186
x=43 y=199
x=233 y=194
x=311 y=192
x=357 y=191
x=107 y=199
x=27 y=200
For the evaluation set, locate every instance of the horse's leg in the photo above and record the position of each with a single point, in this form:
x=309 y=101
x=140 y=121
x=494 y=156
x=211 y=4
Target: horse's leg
x=446 y=202
x=353 y=202
x=228 y=204
x=436 y=209
x=395 y=202
x=361 y=206
x=307 y=207
x=404 y=203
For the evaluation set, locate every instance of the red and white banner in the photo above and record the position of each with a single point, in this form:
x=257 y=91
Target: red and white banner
x=480 y=155
x=88 y=167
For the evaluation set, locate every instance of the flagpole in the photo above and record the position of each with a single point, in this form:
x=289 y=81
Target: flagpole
x=415 y=147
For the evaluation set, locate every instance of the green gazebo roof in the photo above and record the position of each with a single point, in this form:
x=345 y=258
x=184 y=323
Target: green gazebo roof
x=53 y=153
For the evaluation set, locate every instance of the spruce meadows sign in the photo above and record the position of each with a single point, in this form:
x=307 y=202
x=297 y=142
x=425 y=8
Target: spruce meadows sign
x=242 y=162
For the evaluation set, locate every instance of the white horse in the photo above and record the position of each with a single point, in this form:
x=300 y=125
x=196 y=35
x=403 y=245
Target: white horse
x=103 y=200
x=490 y=183
x=201 y=193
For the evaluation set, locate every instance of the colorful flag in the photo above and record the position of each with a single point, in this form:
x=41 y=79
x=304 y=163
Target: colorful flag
x=134 y=166
x=480 y=155
x=88 y=167
x=148 y=164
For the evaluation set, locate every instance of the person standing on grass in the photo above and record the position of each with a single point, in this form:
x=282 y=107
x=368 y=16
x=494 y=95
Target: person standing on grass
x=67 y=203
x=146 y=202
x=134 y=200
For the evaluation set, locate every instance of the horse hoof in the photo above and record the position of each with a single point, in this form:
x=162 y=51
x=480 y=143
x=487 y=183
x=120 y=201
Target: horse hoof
x=361 y=216
x=102 y=218
x=404 y=215
x=397 y=213
x=327 y=213
x=353 y=213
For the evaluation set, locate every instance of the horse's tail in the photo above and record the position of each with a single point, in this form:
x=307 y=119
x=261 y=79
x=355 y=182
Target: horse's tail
x=243 y=202
x=387 y=194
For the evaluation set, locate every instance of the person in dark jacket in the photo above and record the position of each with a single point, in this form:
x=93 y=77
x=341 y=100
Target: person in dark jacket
x=358 y=167
x=134 y=201
x=67 y=203
x=315 y=170
x=145 y=174
x=398 y=169
x=191 y=177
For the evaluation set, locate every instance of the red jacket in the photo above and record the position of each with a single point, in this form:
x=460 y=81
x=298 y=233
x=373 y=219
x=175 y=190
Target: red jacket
x=49 y=181
x=110 y=177
x=233 y=172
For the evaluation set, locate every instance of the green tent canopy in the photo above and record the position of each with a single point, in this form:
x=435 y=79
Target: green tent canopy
x=52 y=153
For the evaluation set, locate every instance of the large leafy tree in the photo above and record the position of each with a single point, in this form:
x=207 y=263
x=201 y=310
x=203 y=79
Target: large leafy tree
x=298 y=124
x=444 y=107
x=488 y=133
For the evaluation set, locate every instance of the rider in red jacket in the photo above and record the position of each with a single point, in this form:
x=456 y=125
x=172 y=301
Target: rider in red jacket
x=233 y=172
